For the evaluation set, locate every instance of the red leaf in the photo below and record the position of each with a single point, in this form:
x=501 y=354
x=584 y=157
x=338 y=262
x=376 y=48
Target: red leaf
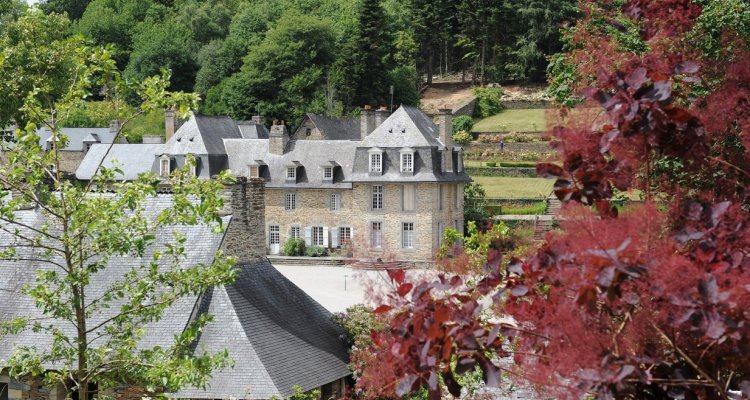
x=404 y=289
x=397 y=275
x=383 y=309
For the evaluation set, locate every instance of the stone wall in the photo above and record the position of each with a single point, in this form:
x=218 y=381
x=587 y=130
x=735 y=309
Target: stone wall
x=520 y=104
x=33 y=388
x=245 y=236
x=466 y=108
x=315 y=133
x=70 y=160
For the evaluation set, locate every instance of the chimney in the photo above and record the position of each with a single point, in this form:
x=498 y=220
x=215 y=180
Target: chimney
x=245 y=237
x=381 y=115
x=258 y=119
x=445 y=132
x=367 y=122
x=278 y=138
x=171 y=124
x=115 y=126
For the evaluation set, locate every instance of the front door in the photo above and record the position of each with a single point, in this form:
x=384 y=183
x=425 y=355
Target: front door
x=274 y=238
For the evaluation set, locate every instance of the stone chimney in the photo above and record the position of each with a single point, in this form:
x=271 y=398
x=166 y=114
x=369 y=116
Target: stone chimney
x=258 y=119
x=115 y=126
x=367 y=122
x=445 y=134
x=278 y=138
x=380 y=115
x=245 y=237
x=171 y=124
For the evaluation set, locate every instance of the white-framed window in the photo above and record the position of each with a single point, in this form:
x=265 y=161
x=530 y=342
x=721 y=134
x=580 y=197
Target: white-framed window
x=328 y=173
x=407 y=162
x=335 y=201
x=345 y=236
x=408 y=197
x=274 y=234
x=440 y=196
x=376 y=235
x=376 y=162
x=377 y=197
x=317 y=236
x=165 y=166
x=290 y=201
x=407 y=235
x=295 y=232
x=253 y=171
x=291 y=173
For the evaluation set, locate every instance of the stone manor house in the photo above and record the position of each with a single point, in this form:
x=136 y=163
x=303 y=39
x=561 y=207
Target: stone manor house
x=381 y=186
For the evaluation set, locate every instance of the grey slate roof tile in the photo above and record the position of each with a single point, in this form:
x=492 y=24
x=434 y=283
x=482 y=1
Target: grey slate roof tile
x=133 y=159
x=336 y=128
x=76 y=136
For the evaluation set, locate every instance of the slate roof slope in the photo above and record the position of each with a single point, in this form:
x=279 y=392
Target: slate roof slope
x=76 y=136
x=252 y=130
x=406 y=127
x=202 y=134
x=271 y=321
x=133 y=159
x=312 y=154
x=334 y=128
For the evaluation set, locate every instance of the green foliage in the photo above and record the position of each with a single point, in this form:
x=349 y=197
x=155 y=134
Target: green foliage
x=298 y=394
x=91 y=114
x=316 y=251
x=475 y=203
x=491 y=164
x=537 y=208
x=463 y=123
x=294 y=247
x=519 y=138
x=358 y=321
x=488 y=101
x=451 y=237
x=74 y=8
x=86 y=228
x=462 y=137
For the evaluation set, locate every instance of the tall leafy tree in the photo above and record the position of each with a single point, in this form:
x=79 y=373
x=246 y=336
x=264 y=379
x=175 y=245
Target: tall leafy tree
x=74 y=8
x=373 y=55
x=87 y=225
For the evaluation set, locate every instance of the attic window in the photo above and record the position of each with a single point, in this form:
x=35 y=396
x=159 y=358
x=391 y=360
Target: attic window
x=407 y=160
x=308 y=131
x=328 y=173
x=376 y=161
x=165 y=166
x=253 y=171
x=291 y=173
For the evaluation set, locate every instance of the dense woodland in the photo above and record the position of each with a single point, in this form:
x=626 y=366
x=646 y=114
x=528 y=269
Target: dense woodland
x=283 y=58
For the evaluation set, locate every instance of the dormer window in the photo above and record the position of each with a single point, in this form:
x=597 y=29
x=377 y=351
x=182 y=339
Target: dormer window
x=328 y=173
x=253 y=171
x=407 y=160
x=291 y=173
x=192 y=163
x=376 y=161
x=165 y=166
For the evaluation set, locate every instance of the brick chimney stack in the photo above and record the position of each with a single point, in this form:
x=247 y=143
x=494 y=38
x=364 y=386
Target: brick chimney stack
x=445 y=130
x=245 y=237
x=170 y=124
x=367 y=122
x=258 y=119
x=278 y=138
x=381 y=115
x=115 y=126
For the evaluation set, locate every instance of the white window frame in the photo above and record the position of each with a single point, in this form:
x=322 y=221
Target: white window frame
x=376 y=199
x=318 y=232
x=295 y=232
x=328 y=173
x=334 y=202
x=253 y=171
x=290 y=201
x=274 y=234
x=408 y=235
x=407 y=161
x=345 y=235
x=376 y=162
x=291 y=173
x=376 y=235
x=165 y=166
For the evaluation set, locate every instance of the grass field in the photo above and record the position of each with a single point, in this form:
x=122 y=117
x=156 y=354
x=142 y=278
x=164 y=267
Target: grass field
x=523 y=120
x=497 y=186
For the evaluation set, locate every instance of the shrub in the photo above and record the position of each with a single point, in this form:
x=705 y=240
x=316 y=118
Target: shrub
x=534 y=209
x=488 y=101
x=316 y=251
x=519 y=138
x=462 y=137
x=293 y=247
x=462 y=123
x=488 y=138
x=491 y=164
x=518 y=164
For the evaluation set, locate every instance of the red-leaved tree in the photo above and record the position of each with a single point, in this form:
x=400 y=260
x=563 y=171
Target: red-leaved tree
x=648 y=302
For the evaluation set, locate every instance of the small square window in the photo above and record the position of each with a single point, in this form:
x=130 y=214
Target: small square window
x=253 y=171
x=308 y=131
x=328 y=173
x=290 y=201
x=291 y=173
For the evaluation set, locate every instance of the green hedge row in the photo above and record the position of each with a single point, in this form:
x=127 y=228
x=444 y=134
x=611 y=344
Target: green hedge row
x=514 y=172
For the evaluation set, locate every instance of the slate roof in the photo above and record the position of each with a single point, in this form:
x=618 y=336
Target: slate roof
x=333 y=128
x=275 y=324
x=76 y=136
x=133 y=159
x=202 y=134
x=406 y=127
x=312 y=154
x=252 y=130
x=276 y=334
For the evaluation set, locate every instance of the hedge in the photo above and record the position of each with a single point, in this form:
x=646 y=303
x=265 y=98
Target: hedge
x=514 y=172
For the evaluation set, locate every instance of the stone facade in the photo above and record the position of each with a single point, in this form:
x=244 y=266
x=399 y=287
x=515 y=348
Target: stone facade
x=70 y=160
x=245 y=238
x=429 y=215
x=307 y=131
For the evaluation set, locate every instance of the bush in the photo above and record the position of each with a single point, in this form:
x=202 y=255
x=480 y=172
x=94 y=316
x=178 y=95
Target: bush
x=491 y=164
x=488 y=102
x=535 y=209
x=519 y=138
x=462 y=137
x=489 y=138
x=462 y=123
x=293 y=247
x=316 y=251
x=518 y=164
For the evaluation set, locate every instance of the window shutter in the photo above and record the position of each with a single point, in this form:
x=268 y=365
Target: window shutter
x=325 y=237
x=335 y=237
x=308 y=236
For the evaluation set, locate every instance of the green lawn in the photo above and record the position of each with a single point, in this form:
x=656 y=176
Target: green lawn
x=523 y=120
x=497 y=186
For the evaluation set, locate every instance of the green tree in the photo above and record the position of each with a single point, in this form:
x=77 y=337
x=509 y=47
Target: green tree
x=475 y=204
x=74 y=8
x=87 y=225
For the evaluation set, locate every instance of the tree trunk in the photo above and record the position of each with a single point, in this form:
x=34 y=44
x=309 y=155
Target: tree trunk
x=484 y=49
x=81 y=375
x=430 y=59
